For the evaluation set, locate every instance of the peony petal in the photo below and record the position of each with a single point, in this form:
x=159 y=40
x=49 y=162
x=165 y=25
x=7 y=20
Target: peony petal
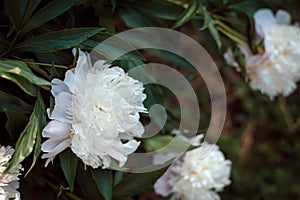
x=137 y=130
x=57 y=130
x=63 y=103
x=58 y=87
x=282 y=17
x=83 y=66
x=230 y=60
x=246 y=50
x=162 y=187
x=70 y=80
x=264 y=21
x=54 y=147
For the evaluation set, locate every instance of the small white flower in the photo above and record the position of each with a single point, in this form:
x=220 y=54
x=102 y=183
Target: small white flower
x=9 y=182
x=96 y=114
x=194 y=177
x=277 y=70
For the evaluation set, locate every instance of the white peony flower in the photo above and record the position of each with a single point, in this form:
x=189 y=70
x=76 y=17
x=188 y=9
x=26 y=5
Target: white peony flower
x=96 y=114
x=276 y=70
x=9 y=182
x=196 y=178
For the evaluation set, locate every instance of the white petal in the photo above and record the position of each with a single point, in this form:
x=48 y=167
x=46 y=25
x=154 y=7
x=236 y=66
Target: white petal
x=58 y=87
x=83 y=66
x=55 y=145
x=70 y=79
x=63 y=103
x=57 y=130
x=137 y=130
x=264 y=21
x=282 y=17
x=162 y=187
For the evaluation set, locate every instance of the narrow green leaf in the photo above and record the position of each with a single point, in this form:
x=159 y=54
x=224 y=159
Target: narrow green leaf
x=134 y=19
x=173 y=58
x=104 y=182
x=157 y=143
x=188 y=14
x=215 y=34
x=118 y=176
x=27 y=139
x=159 y=9
x=15 y=10
x=57 y=40
x=68 y=163
x=19 y=11
x=210 y=23
x=133 y=184
x=21 y=69
x=37 y=148
x=25 y=85
x=50 y=11
x=11 y=103
x=249 y=7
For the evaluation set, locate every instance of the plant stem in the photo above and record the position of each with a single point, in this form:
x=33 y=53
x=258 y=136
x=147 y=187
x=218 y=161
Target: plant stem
x=231 y=36
x=47 y=64
x=11 y=45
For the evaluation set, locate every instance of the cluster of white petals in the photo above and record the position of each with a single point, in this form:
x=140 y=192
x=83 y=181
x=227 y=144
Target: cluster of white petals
x=276 y=70
x=96 y=113
x=195 y=176
x=9 y=182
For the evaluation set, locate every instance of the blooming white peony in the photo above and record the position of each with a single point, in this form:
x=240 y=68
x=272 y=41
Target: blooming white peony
x=9 y=182
x=194 y=177
x=96 y=114
x=276 y=70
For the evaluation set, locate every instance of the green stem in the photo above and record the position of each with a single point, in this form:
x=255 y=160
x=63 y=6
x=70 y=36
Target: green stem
x=224 y=19
x=231 y=30
x=11 y=45
x=47 y=64
x=231 y=36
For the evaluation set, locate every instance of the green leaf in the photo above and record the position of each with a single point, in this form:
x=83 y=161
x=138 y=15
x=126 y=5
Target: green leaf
x=21 y=69
x=133 y=184
x=215 y=34
x=68 y=163
x=188 y=14
x=248 y=7
x=50 y=11
x=19 y=11
x=25 y=85
x=37 y=148
x=108 y=51
x=86 y=183
x=104 y=182
x=57 y=40
x=27 y=139
x=134 y=19
x=11 y=103
x=159 y=9
x=210 y=23
x=176 y=60
x=157 y=143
